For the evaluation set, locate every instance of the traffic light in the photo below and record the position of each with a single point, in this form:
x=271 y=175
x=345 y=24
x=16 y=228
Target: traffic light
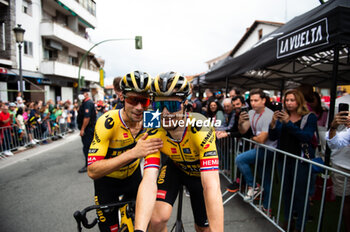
x=138 y=42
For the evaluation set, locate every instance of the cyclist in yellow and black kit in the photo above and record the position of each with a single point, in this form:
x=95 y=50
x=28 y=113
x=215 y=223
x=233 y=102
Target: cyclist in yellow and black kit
x=119 y=143
x=193 y=162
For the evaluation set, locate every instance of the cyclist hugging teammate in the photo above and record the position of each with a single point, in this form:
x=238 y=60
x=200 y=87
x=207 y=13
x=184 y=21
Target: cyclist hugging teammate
x=192 y=162
x=119 y=143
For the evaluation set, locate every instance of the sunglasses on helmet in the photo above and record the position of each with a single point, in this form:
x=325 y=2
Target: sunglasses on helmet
x=172 y=106
x=133 y=100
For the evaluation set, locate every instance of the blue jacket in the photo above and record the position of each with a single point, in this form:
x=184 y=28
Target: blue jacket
x=303 y=135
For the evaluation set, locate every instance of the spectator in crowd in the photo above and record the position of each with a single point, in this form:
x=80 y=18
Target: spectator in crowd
x=219 y=97
x=229 y=116
x=339 y=143
x=197 y=104
x=100 y=109
x=209 y=97
x=215 y=112
x=34 y=122
x=118 y=103
x=19 y=100
x=286 y=127
x=12 y=111
x=22 y=128
x=86 y=123
x=258 y=119
x=234 y=92
x=5 y=134
x=320 y=111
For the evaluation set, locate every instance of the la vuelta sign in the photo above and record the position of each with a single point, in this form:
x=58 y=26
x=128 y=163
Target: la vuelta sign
x=313 y=35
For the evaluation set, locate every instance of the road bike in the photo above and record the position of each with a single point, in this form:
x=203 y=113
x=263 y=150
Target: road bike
x=127 y=215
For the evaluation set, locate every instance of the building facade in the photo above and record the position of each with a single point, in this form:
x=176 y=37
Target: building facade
x=55 y=41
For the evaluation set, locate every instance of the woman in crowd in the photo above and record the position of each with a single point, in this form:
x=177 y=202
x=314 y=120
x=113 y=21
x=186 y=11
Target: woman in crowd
x=286 y=127
x=215 y=111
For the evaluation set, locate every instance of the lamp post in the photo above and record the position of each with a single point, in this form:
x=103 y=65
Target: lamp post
x=19 y=32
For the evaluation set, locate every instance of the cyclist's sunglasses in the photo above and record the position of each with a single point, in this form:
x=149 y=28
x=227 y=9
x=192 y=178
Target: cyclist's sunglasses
x=172 y=106
x=133 y=100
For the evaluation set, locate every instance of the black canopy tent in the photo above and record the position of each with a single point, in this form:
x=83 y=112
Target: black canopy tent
x=302 y=51
x=312 y=48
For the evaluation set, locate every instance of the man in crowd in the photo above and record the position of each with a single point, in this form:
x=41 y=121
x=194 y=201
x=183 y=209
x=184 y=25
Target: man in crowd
x=118 y=145
x=197 y=104
x=86 y=123
x=5 y=127
x=119 y=98
x=258 y=119
x=229 y=115
x=197 y=170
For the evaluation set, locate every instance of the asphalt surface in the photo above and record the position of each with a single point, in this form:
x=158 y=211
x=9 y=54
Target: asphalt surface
x=41 y=189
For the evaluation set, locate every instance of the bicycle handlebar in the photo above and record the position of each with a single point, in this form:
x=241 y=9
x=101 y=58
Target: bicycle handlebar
x=80 y=216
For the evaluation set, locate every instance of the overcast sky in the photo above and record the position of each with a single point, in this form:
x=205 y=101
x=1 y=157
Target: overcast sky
x=179 y=35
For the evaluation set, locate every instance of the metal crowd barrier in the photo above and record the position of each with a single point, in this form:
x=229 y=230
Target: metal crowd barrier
x=229 y=148
x=13 y=138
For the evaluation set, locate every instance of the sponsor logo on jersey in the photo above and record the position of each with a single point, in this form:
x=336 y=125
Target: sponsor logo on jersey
x=98 y=140
x=206 y=146
x=209 y=164
x=161 y=194
x=125 y=135
x=173 y=150
x=151 y=119
x=109 y=123
x=187 y=150
x=92 y=151
x=162 y=175
x=205 y=140
x=210 y=153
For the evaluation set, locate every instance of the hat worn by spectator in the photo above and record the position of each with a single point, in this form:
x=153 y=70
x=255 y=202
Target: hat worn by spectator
x=84 y=90
x=12 y=104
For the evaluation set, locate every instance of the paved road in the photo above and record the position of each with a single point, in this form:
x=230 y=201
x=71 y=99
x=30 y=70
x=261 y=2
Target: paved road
x=41 y=188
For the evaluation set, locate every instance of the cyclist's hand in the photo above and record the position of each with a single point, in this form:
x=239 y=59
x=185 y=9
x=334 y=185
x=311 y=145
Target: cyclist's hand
x=146 y=146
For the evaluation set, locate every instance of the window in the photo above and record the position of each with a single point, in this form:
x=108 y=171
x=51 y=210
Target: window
x=73 y=60
x=2 y=38
x=27 y=7
x=260 y=33
x=28 y=48
x=50 y=54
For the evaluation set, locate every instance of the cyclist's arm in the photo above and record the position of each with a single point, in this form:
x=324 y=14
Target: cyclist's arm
x=146 y=198
x=213 y=200
x=209 y=167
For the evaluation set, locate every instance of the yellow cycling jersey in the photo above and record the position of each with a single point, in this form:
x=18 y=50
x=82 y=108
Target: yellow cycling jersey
x=195 y=153
x=112 y=138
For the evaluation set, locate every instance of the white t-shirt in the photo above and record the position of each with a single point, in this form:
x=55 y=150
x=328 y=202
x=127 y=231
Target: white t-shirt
x=260 y=123
x=339 y=144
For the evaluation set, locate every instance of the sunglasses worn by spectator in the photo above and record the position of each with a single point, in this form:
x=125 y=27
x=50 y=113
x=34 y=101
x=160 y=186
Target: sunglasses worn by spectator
x=172 y=106
x=133 y=100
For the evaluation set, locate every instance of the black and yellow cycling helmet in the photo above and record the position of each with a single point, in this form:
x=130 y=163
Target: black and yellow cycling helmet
x=136 y=81
x=170 y=84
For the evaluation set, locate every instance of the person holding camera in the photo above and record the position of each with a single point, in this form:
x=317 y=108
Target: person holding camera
x=339 y=141
x=258 y=120
x=294 y=128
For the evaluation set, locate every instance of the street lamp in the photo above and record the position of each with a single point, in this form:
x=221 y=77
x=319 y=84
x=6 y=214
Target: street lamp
x=19 y=32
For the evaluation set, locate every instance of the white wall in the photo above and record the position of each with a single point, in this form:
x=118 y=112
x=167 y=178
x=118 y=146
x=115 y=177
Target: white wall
x=254 y=38
x=3 y=91
x=31 y=26
x=67 y=93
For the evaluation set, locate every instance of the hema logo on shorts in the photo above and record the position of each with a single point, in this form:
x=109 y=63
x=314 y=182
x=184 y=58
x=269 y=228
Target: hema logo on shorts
x=152 y=120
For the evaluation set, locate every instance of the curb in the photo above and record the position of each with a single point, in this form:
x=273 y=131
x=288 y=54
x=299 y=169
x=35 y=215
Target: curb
x=34 y=151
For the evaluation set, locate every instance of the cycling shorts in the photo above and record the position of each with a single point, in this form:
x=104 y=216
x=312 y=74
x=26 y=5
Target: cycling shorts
x=108 y=190
x=169 y=181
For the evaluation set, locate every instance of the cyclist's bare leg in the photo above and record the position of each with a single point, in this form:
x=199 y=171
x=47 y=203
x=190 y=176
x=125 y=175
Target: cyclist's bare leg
x=160 y=216
x=201 y=229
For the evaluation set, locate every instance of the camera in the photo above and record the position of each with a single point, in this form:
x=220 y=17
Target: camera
x=245 y=109
x=343 y=107
x=277 y=106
